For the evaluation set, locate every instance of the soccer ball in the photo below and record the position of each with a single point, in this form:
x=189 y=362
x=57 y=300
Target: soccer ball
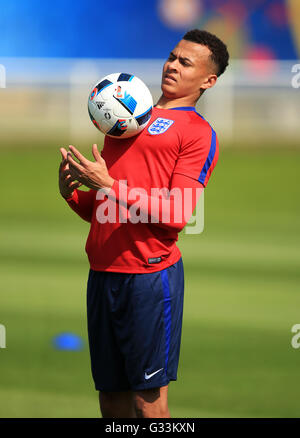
x=120 y=105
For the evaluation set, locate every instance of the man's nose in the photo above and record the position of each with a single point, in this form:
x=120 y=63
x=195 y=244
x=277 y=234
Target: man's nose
x=173 y=65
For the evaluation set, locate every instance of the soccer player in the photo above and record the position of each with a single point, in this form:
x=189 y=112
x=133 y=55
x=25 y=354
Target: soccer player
x=135 y=286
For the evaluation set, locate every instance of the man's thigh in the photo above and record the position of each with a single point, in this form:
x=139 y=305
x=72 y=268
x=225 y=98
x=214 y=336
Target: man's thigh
x=150 y=334
x=107 y=361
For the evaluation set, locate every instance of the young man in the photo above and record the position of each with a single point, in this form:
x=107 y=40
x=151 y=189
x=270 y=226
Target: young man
x=135 y=286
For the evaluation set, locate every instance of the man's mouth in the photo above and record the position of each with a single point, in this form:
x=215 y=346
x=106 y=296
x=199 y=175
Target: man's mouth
x=169 y=77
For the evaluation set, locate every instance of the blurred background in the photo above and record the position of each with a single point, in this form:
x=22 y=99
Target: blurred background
x=242 y=273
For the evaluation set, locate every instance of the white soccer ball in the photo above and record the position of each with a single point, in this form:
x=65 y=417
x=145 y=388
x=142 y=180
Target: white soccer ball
x=120 y=105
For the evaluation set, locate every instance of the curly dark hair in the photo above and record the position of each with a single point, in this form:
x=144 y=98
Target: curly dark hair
x=219 y=53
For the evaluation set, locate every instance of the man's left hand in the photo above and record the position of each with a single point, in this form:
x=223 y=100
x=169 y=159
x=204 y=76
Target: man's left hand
x=93 y=174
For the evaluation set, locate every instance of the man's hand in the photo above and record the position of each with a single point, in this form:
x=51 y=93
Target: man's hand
x=93 y=174
x=66 y=183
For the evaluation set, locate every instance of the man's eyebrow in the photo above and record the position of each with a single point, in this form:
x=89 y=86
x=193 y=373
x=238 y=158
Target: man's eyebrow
x=181 y=58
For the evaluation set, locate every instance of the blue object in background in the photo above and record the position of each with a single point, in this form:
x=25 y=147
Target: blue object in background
x=88 y=29
x=68 y=341
x=135 y=29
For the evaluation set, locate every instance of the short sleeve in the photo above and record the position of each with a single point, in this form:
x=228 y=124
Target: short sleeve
x=198 y=154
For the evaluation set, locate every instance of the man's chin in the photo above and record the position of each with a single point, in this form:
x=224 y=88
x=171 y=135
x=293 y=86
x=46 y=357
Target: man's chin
x=168 y=92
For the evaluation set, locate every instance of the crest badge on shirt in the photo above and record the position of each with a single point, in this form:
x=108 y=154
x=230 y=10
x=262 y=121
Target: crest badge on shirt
x=159 y=126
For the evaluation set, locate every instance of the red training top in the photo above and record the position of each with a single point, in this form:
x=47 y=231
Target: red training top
x=129 y=231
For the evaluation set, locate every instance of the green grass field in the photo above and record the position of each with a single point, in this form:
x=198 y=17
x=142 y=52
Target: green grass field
x=242 y=297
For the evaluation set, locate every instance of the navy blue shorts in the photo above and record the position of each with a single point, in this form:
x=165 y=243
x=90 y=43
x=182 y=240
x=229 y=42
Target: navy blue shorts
x=134 y=328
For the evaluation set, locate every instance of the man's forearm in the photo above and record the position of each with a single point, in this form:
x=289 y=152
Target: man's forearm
x=165 y=209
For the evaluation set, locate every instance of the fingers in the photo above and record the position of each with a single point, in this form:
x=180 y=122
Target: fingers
x=63 y=153
x=68 y=158
x=69 y=182
x=96 y=153
x=78 y=155
x=64 y=166
x=73 y=163
x=64 y=163
x=68 y=170
x=74 y=173
x=68 y=178
x=65 y=174
x=74 y=185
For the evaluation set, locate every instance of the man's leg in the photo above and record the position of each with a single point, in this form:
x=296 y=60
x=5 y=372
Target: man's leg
x=117 y=404
x=152 y=403
x=107 y=362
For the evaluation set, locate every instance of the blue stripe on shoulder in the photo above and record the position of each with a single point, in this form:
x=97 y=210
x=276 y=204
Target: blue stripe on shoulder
x=200 y=116
x=209 y=158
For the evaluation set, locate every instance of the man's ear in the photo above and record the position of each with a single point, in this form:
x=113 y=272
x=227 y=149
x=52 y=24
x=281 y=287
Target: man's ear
x=209 y=82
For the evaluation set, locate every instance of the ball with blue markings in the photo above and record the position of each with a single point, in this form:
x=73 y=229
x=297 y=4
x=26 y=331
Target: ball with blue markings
x=120 y=105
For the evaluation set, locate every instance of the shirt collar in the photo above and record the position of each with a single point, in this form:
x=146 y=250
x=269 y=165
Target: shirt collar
x=184 y=108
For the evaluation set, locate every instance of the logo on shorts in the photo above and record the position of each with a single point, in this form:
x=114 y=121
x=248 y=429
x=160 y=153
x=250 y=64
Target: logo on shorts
x=148 y=376
x=159 y=126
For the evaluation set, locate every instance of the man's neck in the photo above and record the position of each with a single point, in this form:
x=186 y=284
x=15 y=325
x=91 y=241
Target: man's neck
x=165 y=103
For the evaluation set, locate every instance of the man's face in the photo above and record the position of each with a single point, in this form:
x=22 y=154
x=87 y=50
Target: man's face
x=187 y=69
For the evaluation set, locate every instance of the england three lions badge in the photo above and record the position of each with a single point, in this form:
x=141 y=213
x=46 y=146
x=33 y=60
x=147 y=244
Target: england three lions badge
x=159 y=126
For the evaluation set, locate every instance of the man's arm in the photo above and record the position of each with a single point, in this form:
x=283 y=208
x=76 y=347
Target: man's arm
x=164 y=211
x=169 y=210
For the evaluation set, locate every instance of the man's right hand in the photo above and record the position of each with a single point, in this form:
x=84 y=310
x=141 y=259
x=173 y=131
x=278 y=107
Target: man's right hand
x=66 y=183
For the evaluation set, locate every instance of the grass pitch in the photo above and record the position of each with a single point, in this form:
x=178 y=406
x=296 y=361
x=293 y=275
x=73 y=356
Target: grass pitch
x=242 y=296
